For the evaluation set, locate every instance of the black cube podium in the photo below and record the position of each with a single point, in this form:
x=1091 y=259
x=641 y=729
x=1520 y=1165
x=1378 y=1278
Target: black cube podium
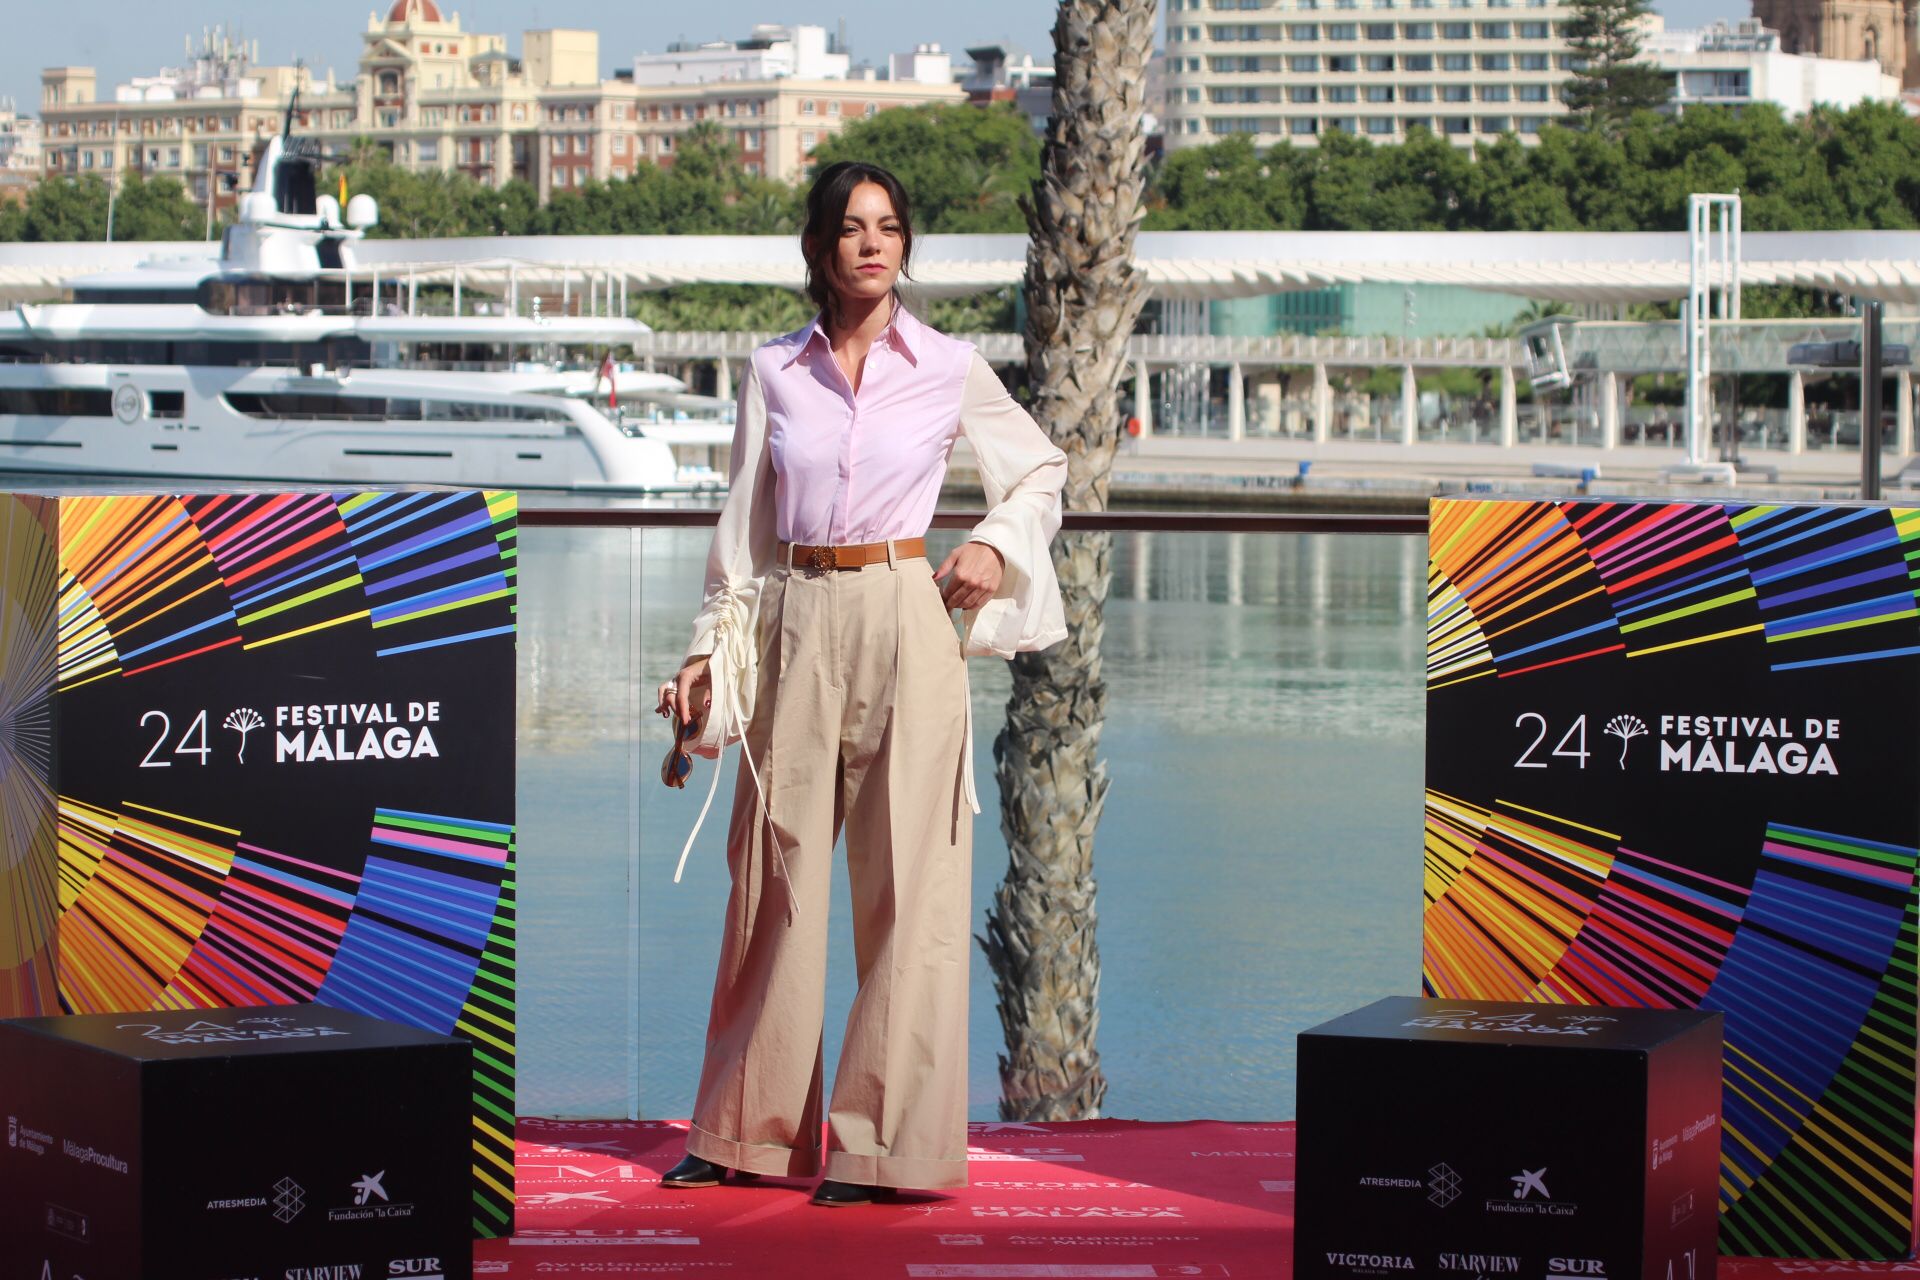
x=1475 y=1138
x=209 y=1144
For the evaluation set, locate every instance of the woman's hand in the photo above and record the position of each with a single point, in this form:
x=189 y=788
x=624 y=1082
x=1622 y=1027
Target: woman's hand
x=976 y=569
x=688 y=694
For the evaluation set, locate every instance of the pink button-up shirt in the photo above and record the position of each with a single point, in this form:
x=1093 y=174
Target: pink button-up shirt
x=862 y=466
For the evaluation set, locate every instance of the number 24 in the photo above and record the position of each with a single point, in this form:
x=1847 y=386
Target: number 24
x=1578 y=730
x=197 y=728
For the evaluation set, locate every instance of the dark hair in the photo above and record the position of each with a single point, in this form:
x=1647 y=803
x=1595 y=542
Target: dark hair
x=827 y=207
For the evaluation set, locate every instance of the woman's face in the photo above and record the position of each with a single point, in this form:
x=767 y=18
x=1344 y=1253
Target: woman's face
x=866 y=260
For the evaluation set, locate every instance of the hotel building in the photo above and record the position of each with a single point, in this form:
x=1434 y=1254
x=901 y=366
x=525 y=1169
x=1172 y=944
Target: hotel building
x=1292 y=70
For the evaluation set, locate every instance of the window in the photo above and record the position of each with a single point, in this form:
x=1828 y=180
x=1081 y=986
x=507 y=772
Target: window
x=58 y=402
x=1533 y=92
x=1303 y=32
x=1303 y=125
x=1410 y=123
x=1307 y=62
x=428 y=150
x=519 y=111
x=807 y=106
x=1530 y=124
x=1342 y=31
x=1495 y=62
x=1456 y=62
x=1303 y=93
x=1532 y=61
x=582 y=144
x=619 y=144
x=1379 y=124
x=1535 y=31
x=1572 y=62
x=1496 y=31
x=1494 y=93
x=1456 y=93
x=1454 y=125
x=1379 y=93
x=559 y=144
x=1417 y=93
x=1456 y=31
x=1416 y=31
x=1341 y=64
x=1378 y=62
x=750 y=140
x=666 y=144
x=866 y=111
x=1416 y=62
x=808 y=140
x=1342 y=124
x=1379 y=31
x=1494 y=124
x=434 y=115
x=560 y=177
x=1341 y=93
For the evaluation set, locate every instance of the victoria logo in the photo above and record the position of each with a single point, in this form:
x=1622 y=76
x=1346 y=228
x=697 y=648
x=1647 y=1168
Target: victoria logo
x=1626 y=728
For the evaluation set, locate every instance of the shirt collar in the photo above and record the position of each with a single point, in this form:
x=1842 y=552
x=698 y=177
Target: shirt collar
x=904 y=333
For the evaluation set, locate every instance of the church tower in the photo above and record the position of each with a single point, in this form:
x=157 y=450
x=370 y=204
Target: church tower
x=1853 y=30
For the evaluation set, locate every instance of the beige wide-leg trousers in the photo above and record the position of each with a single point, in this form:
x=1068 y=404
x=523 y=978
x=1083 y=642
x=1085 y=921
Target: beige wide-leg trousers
x=860 y=721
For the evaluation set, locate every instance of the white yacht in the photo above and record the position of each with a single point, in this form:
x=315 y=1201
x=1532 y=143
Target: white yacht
x=267 y=365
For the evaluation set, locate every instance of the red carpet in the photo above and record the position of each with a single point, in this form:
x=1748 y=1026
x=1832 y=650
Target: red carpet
x=1103 y=1200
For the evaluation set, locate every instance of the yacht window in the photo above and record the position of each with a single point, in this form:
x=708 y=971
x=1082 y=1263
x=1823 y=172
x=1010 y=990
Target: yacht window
x=57 y=402
x=378 y=409
x=166 y=404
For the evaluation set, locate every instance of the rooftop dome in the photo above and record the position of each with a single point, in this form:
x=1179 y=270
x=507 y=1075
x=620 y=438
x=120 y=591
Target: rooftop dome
x=404 y=10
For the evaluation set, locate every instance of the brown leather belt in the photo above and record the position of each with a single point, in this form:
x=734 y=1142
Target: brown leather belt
x=821 y=559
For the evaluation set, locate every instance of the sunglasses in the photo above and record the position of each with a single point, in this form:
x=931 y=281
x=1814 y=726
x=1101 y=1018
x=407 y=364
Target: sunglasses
x=679 y=762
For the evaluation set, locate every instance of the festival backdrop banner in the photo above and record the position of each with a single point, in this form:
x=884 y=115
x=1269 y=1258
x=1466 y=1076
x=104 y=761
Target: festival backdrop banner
x=1671 y=762
x=280 y=731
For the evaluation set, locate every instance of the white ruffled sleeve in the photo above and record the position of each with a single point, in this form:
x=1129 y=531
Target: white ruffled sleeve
x=738 y=562
x=1023 y=473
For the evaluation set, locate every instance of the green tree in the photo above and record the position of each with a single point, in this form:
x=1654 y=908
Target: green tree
x=961 y=164
x=155 y=209
x=707 y=307
x=1610 y=83
x=1228 y=186
x=67 y=209
x=13 y=220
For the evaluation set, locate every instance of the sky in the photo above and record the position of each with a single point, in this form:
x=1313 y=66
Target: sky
x=126 y=38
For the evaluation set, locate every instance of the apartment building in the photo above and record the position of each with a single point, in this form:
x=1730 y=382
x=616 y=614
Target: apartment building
x=434 y=96
x=1293 y=70
x=19 y=152
x=1734 y=64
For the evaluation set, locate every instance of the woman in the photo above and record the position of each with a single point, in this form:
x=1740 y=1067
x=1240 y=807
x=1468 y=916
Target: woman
x=826 y=639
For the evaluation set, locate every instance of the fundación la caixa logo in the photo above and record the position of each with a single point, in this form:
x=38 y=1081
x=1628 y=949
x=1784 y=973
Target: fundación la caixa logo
x=1684 y=743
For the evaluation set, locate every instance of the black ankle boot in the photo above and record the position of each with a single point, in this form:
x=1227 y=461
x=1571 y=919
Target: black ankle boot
x=694 y=1172
x=841 y=1195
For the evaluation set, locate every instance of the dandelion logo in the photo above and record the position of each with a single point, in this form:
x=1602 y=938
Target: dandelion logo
x=1625 y=728
x=244 y=720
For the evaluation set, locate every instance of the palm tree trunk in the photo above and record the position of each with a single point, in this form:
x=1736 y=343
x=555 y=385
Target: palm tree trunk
x=1083 y=297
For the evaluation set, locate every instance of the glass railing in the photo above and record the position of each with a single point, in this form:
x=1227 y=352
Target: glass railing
x=1258 y=859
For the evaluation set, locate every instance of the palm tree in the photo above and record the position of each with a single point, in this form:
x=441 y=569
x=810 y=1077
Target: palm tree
x=1083 y=297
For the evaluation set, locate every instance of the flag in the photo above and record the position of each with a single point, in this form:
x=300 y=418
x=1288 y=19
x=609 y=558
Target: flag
x=606 y=371
x=343 y=191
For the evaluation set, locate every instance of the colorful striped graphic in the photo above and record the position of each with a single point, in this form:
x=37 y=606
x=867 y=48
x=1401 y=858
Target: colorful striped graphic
x=29 y=902
x=1620 y=875
x=162 y=894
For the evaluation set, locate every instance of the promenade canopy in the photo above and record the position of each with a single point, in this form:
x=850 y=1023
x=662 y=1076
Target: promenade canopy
x=1596 y=267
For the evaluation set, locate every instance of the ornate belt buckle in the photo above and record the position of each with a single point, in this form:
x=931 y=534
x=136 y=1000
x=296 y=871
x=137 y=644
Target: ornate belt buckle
x=820 y=560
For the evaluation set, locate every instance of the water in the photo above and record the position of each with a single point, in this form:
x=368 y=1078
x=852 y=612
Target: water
x=1258 y=861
